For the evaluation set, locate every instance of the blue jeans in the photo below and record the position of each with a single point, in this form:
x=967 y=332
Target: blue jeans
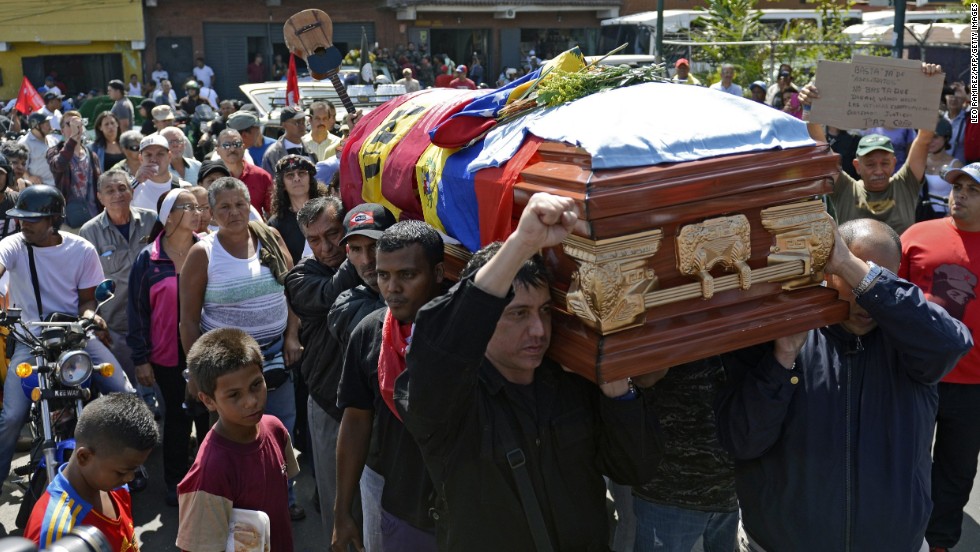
x=661 y=528
x=954 y=460
x=323 y=445
x=281 y=403
x=372 y=483
x=397 y=535
x=17 y=406
x=624 y=532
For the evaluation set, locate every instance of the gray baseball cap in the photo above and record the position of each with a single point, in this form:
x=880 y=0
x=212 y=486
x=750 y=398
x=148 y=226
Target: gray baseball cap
x=242 y=120
x=972 y=170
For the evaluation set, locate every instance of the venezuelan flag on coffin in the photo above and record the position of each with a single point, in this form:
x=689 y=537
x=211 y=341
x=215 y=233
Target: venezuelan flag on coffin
x=413 y=155
x=452 y=157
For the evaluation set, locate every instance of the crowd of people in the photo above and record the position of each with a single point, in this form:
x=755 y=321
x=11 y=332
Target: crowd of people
x=264 y=313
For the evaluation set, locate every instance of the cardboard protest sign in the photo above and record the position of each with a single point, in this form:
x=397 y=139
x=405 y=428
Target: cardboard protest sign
x=876 y=92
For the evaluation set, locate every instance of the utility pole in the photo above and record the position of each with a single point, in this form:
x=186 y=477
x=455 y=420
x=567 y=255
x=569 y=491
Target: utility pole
x=660 y=31
x=898 y=29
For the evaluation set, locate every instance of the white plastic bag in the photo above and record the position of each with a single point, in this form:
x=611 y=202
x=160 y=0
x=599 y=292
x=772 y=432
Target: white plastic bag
x=248 y=531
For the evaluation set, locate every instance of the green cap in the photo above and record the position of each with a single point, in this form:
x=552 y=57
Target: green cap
x=873 y=142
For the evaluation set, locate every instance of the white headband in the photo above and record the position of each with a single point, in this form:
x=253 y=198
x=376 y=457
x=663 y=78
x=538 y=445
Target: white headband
x=168 y=204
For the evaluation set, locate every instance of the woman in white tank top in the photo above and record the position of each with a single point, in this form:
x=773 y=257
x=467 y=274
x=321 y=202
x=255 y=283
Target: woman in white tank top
x=225 y=284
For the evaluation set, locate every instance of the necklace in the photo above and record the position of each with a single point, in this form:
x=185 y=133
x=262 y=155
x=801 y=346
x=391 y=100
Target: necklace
x=174 y=252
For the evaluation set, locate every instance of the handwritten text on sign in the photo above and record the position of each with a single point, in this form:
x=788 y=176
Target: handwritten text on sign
x=876 y=92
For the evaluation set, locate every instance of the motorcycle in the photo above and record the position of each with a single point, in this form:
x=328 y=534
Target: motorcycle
x=58 y=384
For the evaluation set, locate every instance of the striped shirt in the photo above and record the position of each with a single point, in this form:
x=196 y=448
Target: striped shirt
x=242 y=293
x=61 y=508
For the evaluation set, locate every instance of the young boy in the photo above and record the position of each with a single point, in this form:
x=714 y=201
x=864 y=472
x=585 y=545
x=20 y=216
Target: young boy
x=113 y=437
x=246 y=458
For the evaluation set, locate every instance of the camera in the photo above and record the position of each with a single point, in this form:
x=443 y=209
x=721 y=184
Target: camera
x=82 y=538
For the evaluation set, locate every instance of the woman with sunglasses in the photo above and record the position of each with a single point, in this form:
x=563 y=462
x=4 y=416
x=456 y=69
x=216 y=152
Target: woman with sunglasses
x=153 y=331
x=295 y=185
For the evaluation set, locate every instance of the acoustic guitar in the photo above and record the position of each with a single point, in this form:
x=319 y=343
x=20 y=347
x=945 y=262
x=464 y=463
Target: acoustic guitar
x=309 y=35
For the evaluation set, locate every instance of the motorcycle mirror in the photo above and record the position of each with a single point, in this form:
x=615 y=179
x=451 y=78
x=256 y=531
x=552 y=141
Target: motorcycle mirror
x=105 y=291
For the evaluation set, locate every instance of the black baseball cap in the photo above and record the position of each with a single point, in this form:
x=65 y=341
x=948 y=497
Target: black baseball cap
x=367 y=219
x=117 y=84
x=289 y=113
x=209 y=167
x=48 y=96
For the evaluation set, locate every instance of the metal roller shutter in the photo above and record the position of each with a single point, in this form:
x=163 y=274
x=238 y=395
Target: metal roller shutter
x=348 y=35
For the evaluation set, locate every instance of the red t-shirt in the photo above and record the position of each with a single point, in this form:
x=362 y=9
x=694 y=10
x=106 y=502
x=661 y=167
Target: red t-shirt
x=971 y=141
x=462 y=82
x=259 y=184
x=945 y=263
x=226 y=475
x=443 y=80
x=60 y=509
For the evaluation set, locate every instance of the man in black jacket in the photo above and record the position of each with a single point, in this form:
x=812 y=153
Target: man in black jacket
x=312 y=286
x=409 y=268
x=831 y=429
x=517 y=447
x=364 y=224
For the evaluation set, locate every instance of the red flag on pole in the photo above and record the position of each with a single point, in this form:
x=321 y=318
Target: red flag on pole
x=292 y=83
x=28 y=100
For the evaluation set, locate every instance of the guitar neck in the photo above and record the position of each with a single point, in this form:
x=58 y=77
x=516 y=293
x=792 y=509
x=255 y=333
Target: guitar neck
x=342 y=92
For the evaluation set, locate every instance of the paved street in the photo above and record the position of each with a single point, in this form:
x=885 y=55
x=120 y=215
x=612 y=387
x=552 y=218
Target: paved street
x=157 y=523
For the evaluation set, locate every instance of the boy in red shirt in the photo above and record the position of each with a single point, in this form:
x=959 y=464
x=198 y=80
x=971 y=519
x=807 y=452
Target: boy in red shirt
x=114 y=436
x=246 y=458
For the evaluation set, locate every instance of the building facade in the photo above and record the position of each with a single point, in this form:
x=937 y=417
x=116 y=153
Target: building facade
x=82 y=45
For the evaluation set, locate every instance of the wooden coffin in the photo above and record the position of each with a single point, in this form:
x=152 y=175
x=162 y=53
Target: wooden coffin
x=678 y=262
x=671 y=262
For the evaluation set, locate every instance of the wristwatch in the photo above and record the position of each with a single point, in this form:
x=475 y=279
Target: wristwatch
x=869 y=280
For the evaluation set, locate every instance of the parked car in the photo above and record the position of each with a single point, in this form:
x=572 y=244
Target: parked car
x=270 y=97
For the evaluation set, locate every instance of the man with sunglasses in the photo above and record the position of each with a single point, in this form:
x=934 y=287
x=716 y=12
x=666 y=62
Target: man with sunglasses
x=231 y=149
x=65 y=274
x=154 y=178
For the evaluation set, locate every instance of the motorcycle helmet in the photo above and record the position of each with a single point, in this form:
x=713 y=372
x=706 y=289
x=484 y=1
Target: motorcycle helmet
x=36 y=119
x=8 y=180
x=39 y=201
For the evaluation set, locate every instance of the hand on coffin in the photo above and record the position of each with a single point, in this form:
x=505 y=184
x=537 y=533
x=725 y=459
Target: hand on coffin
x=546 y=221
x=844 y=264
x=614 y=389
x=788 y=348
x=648 y=380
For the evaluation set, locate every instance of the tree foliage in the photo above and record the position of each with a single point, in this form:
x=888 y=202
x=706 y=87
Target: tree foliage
x=739 y=20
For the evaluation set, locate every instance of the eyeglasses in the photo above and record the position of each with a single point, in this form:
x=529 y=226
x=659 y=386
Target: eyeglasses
x=177 y=142
x=232 y=145
x=189 y=208
x=133 y=148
